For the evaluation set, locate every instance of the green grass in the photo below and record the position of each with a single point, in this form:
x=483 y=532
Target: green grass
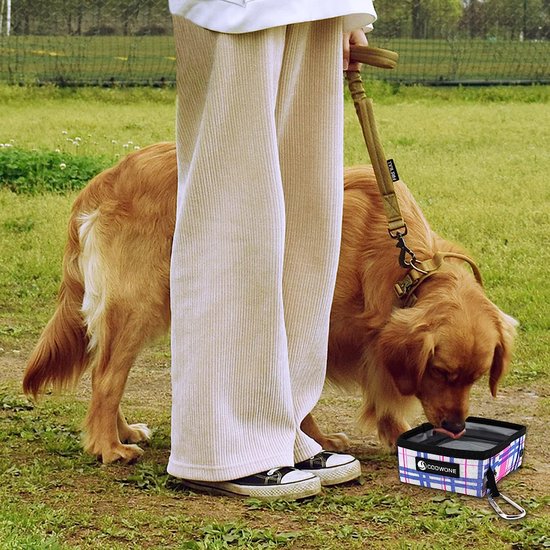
x=477 y=162
x=88 y=122
x=24 y=171
x=479 y=173
x=32 y=230
x=460 y=60
x=54 y=497
x=87 y=59
x=119 y=59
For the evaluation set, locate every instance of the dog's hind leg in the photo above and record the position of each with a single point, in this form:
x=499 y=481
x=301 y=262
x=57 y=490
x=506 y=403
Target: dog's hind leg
x=125 y=304
x=105 y=425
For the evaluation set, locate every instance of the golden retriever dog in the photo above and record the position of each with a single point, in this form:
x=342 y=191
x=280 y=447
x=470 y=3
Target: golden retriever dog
x=114 y=298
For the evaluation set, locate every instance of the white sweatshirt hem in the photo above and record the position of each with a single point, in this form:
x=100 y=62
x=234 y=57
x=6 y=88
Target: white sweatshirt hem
x=234 y=16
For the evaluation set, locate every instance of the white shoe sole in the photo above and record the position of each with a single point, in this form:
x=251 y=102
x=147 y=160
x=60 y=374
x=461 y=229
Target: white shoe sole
x=334 y=475
x=286 y=491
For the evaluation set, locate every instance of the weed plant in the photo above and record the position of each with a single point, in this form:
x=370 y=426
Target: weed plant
x=24 y=171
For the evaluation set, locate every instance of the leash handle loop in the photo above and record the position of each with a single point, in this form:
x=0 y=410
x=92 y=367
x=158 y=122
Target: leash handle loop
x=376 y=57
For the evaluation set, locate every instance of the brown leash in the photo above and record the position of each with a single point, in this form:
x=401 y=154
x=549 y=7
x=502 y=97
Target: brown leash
x=386 y=176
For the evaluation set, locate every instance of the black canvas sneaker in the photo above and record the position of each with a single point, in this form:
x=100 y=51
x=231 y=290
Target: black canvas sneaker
x=278 y=483
x=331 y=468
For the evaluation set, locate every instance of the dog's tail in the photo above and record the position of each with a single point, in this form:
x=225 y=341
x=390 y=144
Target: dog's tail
x=61 y=354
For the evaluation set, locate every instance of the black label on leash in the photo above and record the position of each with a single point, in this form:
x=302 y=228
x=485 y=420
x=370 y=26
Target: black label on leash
x=434 y=467
x=393 y=170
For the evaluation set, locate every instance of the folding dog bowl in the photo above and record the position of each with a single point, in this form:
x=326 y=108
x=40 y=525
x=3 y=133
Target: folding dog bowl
x=472 y=464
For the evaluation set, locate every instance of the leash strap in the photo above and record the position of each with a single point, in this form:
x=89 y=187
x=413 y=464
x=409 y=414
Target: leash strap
x=386 y=175
x=384 y=179
x=385 y=171
x=377 y=57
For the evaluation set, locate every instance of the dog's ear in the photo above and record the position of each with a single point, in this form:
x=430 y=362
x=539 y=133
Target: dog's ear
x=503 y=351
x=405 y=347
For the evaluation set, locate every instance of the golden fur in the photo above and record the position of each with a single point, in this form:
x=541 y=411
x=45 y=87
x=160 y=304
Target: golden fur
x=114 y=297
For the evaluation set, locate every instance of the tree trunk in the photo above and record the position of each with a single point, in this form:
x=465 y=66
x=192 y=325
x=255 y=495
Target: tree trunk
x=417 y=26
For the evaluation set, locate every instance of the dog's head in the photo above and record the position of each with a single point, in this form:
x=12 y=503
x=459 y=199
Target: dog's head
x=437 y=349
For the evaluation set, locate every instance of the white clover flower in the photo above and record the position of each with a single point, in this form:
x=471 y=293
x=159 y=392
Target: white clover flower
x=125 y=146
x=62 y=166
x=64 y=132
x=137 y=147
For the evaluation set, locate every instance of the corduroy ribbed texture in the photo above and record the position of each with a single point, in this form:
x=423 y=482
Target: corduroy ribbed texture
x=255 y=252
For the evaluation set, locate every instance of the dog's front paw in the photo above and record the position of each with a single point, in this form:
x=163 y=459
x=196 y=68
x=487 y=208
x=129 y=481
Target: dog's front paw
x=135 y=433
x=111 y=451
x=124 y=453
x=335 y=442
x=389 y=429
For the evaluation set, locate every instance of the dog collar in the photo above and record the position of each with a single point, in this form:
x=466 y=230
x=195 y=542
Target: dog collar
x=421 y=270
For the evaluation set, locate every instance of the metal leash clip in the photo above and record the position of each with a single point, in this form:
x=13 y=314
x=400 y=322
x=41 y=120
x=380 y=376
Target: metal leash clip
x=405 y=250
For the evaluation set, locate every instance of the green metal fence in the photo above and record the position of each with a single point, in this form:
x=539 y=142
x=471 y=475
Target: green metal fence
x=110 y=42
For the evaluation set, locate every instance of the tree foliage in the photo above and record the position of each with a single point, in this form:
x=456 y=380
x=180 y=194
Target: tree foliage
x=509 y=19
x=447 y=19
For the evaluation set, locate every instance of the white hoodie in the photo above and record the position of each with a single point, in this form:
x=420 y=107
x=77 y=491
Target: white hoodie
x=238 y=16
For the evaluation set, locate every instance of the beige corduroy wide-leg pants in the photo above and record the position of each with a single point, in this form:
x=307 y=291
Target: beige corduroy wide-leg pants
x=255 y=252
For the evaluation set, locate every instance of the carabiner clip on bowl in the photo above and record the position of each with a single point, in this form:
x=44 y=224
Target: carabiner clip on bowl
x=493 y=493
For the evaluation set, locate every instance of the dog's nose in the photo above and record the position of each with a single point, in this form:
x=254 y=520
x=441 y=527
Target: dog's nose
x=453 y=427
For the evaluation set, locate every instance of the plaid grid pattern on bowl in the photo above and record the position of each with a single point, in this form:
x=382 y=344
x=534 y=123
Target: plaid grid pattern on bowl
x=466 y=475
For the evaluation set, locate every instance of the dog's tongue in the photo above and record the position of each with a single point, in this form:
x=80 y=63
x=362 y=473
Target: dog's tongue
x=448 y=433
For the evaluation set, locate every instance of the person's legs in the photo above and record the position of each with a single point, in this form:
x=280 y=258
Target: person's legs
x=251 y=284
x=232 y=412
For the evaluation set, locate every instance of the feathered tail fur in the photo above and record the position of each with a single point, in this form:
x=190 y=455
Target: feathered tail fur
x=60 y=356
